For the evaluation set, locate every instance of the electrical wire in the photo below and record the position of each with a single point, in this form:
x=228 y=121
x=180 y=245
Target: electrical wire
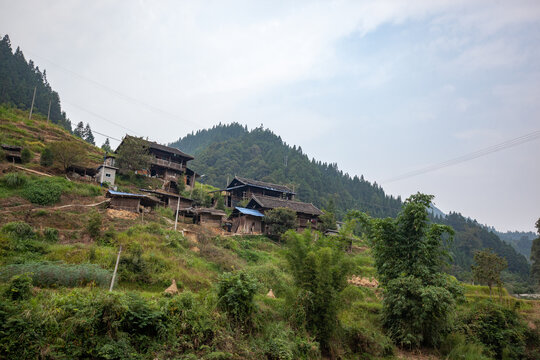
x=467 y=157
x=114 y=91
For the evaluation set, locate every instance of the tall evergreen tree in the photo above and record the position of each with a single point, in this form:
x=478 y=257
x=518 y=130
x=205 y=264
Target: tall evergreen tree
x=87 y=135
x=79 y=130
x=106 y=146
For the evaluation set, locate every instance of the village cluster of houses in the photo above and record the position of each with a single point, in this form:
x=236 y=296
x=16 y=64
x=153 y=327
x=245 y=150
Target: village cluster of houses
x=170 y=164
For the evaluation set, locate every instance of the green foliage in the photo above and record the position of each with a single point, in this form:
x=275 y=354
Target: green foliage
x=456 y=347
x=470 y=237
x=201 y=197
x=327 y=221
x=19 y=77
x=46 y=274
x=26 y=155
x=68 y=153
x=132 y=154
x=495 y=326
x=236 y=292
x=19 y=287
x=279 y=220
x=19 y=230
x=44 y=191
x=320 y=272
x=488 y=268
x=95 y=222
x=535 y=259
x=226 y=150
x=50 y=235
x=47 y=157
x=14 y=180
x=409 y=256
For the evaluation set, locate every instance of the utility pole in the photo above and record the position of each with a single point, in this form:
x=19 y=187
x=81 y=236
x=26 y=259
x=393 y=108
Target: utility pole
x=49 y=113
x=177 y=211
x=115 y=268
x=32 y=107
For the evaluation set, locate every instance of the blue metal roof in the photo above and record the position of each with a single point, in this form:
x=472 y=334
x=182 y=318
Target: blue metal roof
x=249 y=211
x=112 y=192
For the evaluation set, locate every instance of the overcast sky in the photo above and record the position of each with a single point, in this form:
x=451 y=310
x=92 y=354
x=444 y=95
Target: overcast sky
x=380 y=87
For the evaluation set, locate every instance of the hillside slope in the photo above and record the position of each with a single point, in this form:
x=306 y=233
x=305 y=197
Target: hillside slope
x=228 y=150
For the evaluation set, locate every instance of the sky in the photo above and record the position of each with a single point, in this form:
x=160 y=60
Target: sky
x=381 y=88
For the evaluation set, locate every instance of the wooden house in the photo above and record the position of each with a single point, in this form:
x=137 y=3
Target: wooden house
x=171 y=200
x=246 y=221
x=242 y=189
x=208 y=217
x=131 y=202
x=307 y=214
x=167 y=163
x=12 y=153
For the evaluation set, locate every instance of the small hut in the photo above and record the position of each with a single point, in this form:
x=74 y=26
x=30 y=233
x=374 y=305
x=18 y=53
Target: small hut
x=246 y=221
x=170 y=199
x=208 y=217
x=12 y=152
x=131 y=202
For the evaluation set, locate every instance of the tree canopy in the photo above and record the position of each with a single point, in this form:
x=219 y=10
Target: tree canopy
x=410 y=253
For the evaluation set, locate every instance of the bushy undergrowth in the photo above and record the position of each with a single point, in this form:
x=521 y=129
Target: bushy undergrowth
x=499 y=328
x=46 y=274
x=236 y=292
x=45 y=190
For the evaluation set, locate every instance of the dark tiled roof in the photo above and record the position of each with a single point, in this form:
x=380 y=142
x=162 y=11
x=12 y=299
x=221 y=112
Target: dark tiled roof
x=155 y=145
x=265 y=185
x=270 y=202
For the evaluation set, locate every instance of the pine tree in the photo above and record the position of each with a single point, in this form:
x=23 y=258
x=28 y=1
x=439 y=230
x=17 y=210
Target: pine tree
x=79 y=130
x=87 y=135
x=106 y=146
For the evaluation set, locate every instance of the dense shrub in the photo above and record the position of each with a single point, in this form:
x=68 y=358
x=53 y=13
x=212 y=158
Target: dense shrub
x=50 y=235
x=14 y=180
x=47 y=157
x=499 y=328
x=19 y=230
x=456 y=347
x=236 y=292
x=93 y=227
x=19 y=287
x=44 y=191
x=46 y=274
x=26 y=155
x=320 y=274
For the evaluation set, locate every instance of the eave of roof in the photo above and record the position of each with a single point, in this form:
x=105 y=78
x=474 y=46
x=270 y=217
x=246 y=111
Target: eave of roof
x=263 y=185
x=155 y=145
x=269 y=202
x=251 y=212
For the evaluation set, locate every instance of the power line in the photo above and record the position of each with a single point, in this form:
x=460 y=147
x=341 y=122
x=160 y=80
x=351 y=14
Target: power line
x=101 y=117
x=470 y=156
x=114 y=91
x=107 y=136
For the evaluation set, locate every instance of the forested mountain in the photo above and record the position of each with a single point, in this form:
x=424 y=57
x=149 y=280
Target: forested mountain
x=197 y=141
x=228 y=150
x=18 y=78
x=471 y=236
x=520 y=240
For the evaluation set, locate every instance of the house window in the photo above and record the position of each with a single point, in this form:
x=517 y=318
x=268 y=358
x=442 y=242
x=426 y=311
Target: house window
x=108 y=175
